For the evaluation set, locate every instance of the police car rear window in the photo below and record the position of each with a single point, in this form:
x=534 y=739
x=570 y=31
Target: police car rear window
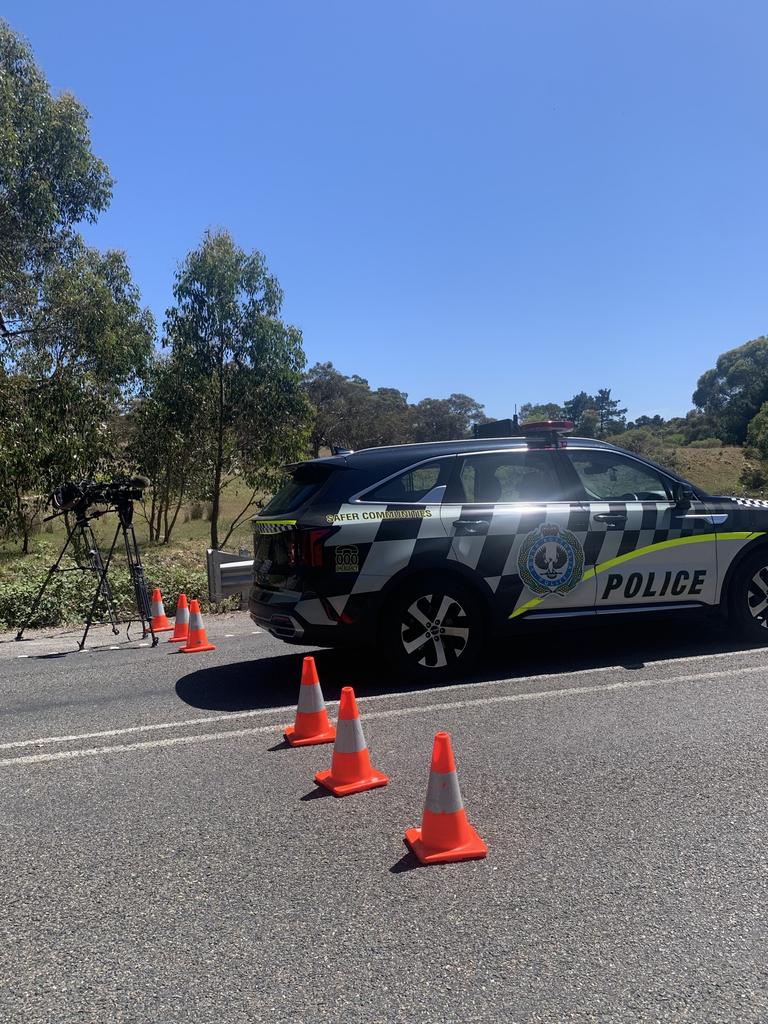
x=303 y=485
x=410 y=486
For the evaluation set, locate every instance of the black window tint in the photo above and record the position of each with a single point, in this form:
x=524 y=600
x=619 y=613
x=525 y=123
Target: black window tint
x=410 y=486
x=610 y=476
x=511 y=476
x=303 y=485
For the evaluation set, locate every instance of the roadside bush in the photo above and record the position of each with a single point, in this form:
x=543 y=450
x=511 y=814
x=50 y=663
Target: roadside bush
x=196 y=510
x=753 y=477
x=646 y=442
x=707 y=442
x=69 y=594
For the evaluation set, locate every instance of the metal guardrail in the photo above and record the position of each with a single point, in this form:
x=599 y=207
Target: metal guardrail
x=228 y=574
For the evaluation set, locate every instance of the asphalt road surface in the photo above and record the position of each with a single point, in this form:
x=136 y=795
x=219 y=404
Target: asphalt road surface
x=166 y=858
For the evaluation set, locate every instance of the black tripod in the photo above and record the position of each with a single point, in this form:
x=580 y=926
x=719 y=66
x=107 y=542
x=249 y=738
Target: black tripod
x=83 y=540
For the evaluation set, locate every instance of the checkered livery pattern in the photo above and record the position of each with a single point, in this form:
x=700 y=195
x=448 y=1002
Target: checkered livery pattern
x=495 y=556
x=382 y=540
x=412 y=536
x=751 y=502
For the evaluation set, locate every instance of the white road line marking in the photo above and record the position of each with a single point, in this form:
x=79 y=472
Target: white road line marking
x=229 y=634
x=22 y=655
x=172 y=741
x=287 y=708
x=184 y=722
x=503 y=698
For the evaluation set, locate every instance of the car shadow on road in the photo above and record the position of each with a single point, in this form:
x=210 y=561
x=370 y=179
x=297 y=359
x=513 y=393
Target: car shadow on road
x=273 y=681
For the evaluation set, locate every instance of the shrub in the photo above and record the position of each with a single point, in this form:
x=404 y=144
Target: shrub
x=707 y=442
x=645 y=442
x=753 y=477
x=69 y=594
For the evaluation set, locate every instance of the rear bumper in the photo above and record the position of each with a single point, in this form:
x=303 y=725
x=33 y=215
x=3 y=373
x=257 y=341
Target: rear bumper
x=278 y=613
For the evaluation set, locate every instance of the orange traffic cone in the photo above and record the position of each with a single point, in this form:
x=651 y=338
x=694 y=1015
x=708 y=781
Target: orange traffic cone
x=197 y=640
x=445 y=834
x=311 y=725
x=181 y=622
x=350 y=770
x=160 y=623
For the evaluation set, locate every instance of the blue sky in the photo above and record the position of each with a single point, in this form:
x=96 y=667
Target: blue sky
x=516 y=201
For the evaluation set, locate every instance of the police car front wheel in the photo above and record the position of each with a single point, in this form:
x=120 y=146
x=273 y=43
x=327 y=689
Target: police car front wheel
x=749 y=597
x=433 y=630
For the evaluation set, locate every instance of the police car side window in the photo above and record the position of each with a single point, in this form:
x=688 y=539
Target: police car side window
x=511 y=476
x=608 y=476
x=409 y=487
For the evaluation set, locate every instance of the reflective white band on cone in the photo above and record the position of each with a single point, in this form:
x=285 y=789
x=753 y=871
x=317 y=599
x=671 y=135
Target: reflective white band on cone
x=157 y=608
x=443 y=794
x=182 y=616
x=310 y=699
x=195 y=621
x=349 y=736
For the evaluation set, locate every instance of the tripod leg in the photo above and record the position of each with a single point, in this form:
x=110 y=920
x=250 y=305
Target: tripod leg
x=102 y=587
x=51 y=573
x=136 y=569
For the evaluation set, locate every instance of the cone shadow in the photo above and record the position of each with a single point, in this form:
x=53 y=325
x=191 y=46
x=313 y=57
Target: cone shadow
x=282 y=745
x=407 y=862
x=316 y=794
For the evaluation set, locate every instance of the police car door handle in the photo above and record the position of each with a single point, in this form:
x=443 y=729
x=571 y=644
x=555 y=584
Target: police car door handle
x=471 y=527
x=613 y=519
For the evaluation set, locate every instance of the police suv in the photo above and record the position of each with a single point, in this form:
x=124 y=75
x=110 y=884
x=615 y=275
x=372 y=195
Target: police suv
x=426 y=549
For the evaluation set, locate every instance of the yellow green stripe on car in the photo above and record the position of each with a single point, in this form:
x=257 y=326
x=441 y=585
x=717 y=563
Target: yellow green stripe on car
x=595 y=570
x=272 y=525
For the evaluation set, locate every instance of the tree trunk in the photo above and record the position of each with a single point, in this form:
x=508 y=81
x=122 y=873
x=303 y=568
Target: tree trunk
x=22 y=521
x=219 y=458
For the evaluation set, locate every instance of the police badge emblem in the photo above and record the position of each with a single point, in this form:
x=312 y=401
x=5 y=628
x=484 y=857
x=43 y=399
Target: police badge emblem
x=551 y=560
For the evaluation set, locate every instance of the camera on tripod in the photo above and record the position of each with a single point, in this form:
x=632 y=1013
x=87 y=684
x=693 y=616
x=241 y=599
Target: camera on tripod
x=74 y=495
x=117 y=496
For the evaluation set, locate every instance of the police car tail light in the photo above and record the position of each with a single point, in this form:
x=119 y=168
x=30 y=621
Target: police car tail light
x=307 y=548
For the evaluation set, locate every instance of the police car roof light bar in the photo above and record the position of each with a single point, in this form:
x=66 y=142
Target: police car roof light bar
x=546 y=433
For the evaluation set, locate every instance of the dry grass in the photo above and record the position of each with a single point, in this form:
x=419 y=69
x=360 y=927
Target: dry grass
x=717 y=470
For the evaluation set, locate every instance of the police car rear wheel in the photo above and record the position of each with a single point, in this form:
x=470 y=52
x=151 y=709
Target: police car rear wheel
x=433 y=630
x=749 y=597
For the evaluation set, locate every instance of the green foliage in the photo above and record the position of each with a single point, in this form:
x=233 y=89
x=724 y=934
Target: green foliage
x=73 y=336
x=595 y=415
x=707 y=442
x=346 y=413
x=244 y=366
x=49 y=178
x=445 y=419
x=160 y=441
x=753 y=477
x=349 y=414
x=530 y=412
x=69 y=595
x=734 y=390
x=757 y=433
x=647 y=443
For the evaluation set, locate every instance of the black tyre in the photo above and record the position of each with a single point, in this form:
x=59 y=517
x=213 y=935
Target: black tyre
x=433 y=630
x=748 y=597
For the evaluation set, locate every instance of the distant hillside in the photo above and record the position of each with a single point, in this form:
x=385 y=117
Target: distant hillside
x=717 y=470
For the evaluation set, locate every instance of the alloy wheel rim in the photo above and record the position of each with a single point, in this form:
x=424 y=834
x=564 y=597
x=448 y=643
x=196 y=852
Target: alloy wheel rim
x=435 y=630
x=757 y=597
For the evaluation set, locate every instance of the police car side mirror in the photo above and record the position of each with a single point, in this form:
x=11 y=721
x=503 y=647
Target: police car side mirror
x=682 y=495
